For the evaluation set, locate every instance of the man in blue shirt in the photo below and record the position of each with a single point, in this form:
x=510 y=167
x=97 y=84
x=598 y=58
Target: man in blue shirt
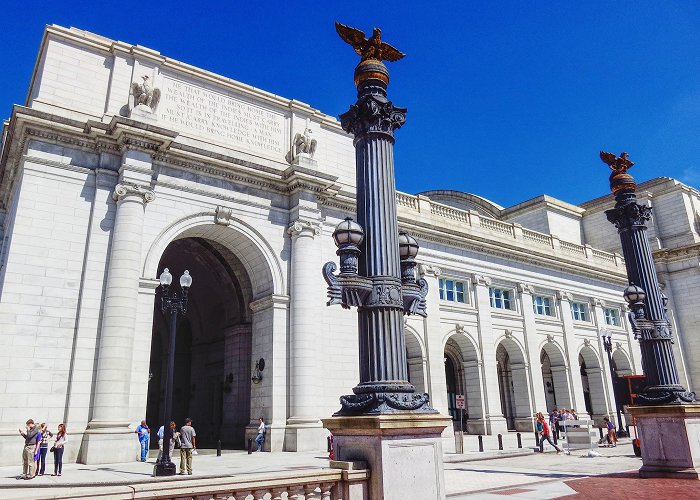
x=144 y=434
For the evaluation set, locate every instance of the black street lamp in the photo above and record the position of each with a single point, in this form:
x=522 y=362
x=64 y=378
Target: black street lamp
x=648 y=317
x=607 y=345
x=174 y=303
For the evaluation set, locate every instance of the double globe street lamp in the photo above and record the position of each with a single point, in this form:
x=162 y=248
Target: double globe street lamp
x=174 y=303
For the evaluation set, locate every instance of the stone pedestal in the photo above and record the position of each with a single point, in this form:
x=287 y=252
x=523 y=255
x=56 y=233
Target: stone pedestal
x=404 y=452
x=669 y=436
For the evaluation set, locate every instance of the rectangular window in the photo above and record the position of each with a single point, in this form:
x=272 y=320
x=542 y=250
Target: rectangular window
x=612 y=316
x=500 y=298
x=452 y=291
x=542 y=305
x=579 y=311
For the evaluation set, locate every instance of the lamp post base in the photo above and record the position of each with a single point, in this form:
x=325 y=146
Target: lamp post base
x=669 y=437
x=164 y=469
x=404 y=452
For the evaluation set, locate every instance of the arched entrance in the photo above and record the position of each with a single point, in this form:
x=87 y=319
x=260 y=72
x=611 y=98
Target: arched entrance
x=592 y=382
x=554 y=377
x=213 y=346
x=512 y=385
x=416 y=361
x=463 y=377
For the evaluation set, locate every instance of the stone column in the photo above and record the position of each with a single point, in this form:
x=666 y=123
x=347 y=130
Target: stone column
x=495 y=422
x=432 y=338
x=304 y=429
x=532 y=351
x=571 y=353
x=107 y=439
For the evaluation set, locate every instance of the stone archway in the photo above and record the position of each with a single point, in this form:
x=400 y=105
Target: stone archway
x=463 y=377
x=213 y=345
x=592 y=382
x=512 y=385
x=555 y=377
x=416 y=361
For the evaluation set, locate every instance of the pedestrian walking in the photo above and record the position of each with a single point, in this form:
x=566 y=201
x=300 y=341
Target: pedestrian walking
x=43 y=447
x=612 y=433
x=144 y=434
x=553 y=419
x=187 y=446
x=543 y=431
x=31 y=448
x=57 y=449
x=261 y=434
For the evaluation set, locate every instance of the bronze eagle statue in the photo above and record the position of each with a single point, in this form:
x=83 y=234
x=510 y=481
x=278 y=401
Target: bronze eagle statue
x=372 y=48
x=616 y=163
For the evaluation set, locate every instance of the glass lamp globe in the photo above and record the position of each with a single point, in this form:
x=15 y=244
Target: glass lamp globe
x=633 y=294
x=185 y=280
x=166 y=278
x=348 y=232
x=408 y=246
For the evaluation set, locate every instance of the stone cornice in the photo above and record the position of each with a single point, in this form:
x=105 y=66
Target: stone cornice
x=666 y=255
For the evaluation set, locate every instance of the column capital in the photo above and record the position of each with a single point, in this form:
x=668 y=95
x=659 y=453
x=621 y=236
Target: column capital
x=480 y=279
x=121 y=191
x=596 y=302
x=299 y=227
x=526 y=288
x=564 y=295
x=429 y=270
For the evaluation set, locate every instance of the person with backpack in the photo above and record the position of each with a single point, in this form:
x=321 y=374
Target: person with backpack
x=543 y=431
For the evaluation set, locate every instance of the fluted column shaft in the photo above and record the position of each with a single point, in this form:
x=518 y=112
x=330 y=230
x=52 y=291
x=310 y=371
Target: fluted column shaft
x=305 y=297
x=111 y=399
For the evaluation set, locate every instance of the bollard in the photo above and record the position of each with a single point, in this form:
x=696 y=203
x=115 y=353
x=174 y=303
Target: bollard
x=250 y=446
x=481 y=443
x=537 y=439
x=500 y=441
x=218 y=448
x=520 y=442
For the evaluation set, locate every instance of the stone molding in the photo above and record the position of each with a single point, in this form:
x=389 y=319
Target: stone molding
x=480 y=279
x=429 y=270
x=299 y=227
x=269 y=301
x=121 y=191
x=223 y=215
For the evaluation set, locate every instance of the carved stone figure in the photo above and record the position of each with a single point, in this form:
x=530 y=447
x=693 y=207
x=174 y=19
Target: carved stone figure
x=372 y=48
x=144 y=93
x=304 y=144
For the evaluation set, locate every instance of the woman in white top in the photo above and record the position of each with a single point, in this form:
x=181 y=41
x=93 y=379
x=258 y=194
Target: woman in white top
x=57 y=449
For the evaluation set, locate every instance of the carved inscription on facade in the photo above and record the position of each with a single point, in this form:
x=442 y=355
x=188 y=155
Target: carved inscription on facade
x=230 y=121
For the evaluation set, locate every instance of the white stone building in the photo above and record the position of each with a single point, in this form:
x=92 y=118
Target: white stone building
x=99 y=193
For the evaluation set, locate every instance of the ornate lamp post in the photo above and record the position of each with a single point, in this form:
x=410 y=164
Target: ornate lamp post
x=648 y=316
x=173 y=303
x=607 y=345
x=377 y=266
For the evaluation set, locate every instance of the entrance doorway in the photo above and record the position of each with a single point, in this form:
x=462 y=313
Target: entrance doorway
x=213 y=346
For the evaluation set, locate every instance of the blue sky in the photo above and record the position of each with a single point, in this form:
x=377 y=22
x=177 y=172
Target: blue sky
x=506 y=99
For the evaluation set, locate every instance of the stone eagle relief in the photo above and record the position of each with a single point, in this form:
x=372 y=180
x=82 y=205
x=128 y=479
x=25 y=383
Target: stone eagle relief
x=144 y=95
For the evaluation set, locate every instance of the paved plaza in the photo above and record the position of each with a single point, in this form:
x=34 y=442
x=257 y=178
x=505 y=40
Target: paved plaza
x=520 y=474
